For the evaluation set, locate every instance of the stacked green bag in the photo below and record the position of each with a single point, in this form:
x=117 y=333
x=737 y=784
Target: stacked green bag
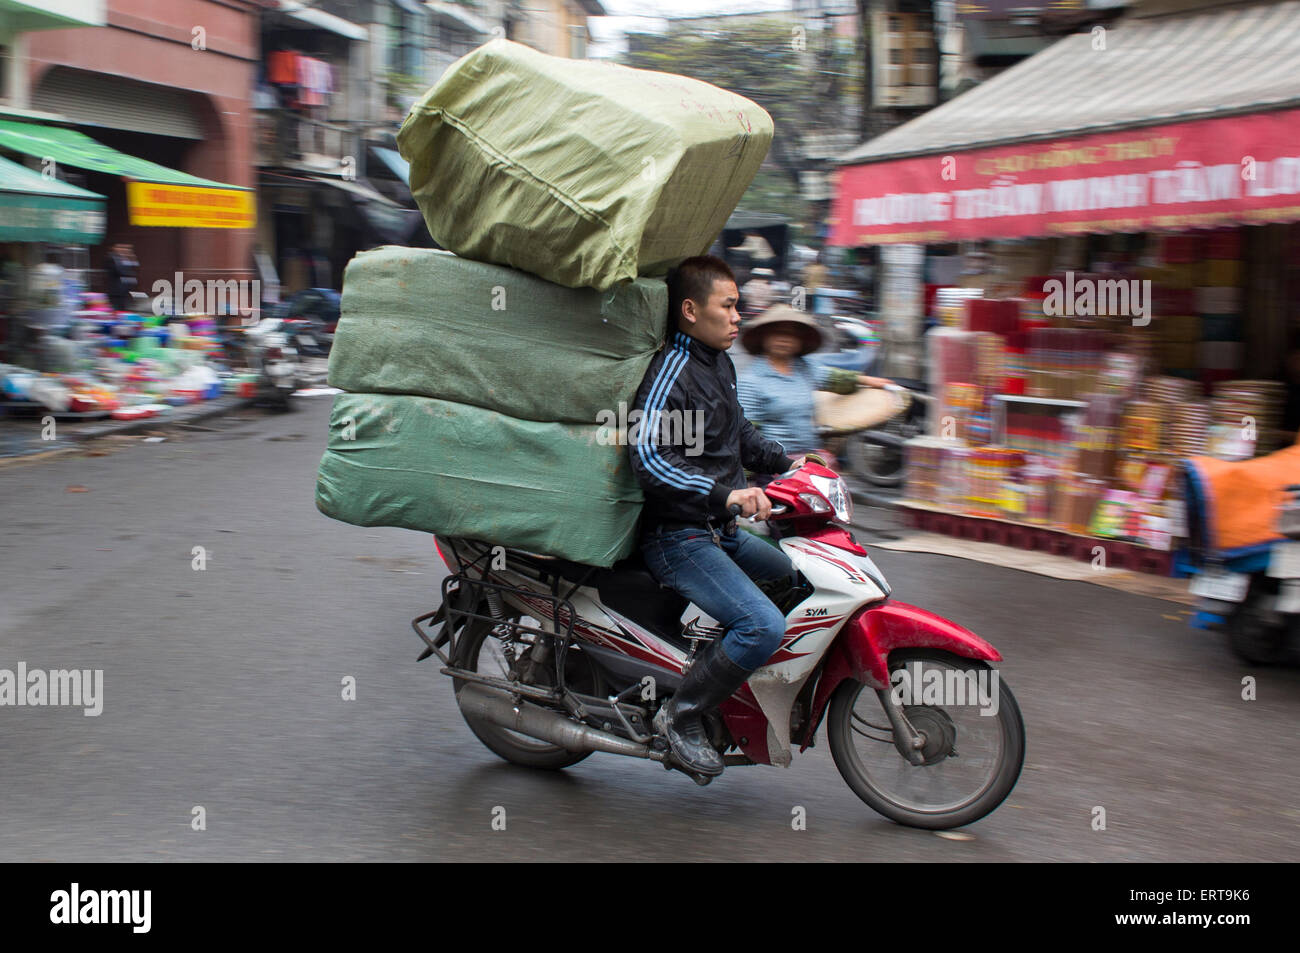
x=419 y=321
x=477 y=382
x=478 y=389
x=584 y=172
x=459 y=470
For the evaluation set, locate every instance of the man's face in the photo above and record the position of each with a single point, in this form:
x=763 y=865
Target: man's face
x=715 y=322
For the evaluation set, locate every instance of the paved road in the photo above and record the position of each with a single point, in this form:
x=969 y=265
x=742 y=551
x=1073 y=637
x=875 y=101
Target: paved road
x=223 y=690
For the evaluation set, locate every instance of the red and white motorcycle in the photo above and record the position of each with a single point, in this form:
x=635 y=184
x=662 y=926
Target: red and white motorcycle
x=554 y=660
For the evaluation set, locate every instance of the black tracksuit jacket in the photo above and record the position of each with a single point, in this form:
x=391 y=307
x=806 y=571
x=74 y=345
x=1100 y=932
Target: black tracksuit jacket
x=688 y=402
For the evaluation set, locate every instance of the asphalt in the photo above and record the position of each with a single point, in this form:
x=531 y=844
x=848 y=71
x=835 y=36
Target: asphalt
x=224 y=691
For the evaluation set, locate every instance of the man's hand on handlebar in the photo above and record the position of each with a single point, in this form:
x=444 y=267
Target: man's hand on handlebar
x=752 y=502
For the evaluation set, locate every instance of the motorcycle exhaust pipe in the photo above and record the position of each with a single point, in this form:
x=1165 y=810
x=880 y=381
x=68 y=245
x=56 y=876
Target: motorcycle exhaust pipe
x=498 y=708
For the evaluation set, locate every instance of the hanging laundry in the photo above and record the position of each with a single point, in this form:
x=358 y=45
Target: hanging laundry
x=313 y=81
x=282 y=68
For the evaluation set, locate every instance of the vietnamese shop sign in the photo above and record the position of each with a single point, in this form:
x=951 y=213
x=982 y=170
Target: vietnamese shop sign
x=187 y=206
x=1211 y=172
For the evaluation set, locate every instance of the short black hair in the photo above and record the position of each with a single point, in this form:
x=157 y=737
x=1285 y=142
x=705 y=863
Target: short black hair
x=694 y=279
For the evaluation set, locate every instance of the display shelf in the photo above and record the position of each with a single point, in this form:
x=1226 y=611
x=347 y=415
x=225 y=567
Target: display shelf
x=1000 y=402
x=1034 y=537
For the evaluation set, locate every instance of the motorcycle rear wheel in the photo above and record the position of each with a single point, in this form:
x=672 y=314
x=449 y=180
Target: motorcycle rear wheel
x=989 y=787
x=1256 y=634
x=478 y=649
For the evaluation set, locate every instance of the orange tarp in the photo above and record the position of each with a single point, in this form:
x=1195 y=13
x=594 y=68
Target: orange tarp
x=1243 y=498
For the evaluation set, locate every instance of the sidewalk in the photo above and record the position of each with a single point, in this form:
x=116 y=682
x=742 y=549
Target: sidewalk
x=21 y=436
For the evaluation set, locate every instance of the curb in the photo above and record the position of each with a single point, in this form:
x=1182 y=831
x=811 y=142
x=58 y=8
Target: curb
x=189 y=414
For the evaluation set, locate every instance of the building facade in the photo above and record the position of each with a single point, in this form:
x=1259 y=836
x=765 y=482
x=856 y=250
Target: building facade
x=165 y=80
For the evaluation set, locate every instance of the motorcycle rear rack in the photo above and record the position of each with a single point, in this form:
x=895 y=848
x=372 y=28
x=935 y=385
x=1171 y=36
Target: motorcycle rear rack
x=460 y=591
x=463 y=597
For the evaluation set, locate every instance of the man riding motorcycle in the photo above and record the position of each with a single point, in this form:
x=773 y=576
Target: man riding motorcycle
x=690 y=541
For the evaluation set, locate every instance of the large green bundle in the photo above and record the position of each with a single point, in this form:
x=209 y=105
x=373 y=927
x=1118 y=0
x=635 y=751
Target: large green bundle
x=583 y=172
x=419 y=321
x=440 y=467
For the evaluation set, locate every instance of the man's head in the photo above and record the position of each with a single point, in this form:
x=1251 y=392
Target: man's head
x=702 y=299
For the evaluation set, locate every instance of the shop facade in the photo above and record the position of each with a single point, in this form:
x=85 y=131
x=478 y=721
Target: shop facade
x=168 y=83
x=1107 y=240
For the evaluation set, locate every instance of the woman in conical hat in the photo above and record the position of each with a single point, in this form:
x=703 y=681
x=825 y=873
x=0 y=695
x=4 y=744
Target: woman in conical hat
x=776 y=390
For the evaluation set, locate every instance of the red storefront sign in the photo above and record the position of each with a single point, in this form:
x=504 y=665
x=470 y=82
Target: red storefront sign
x=1206 y=173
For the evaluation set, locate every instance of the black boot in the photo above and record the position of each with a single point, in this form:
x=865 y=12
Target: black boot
x=711 y=680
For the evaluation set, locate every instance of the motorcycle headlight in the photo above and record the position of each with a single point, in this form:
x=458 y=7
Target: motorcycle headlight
x=835 y=491
x=816 y=502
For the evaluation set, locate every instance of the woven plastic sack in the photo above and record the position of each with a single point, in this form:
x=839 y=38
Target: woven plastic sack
x=419 y=321
x=583 y=172
x=456 y=470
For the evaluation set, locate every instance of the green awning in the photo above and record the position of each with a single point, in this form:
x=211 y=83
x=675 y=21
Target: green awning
x=23 y=16
x=34 y=208
x=79 y=151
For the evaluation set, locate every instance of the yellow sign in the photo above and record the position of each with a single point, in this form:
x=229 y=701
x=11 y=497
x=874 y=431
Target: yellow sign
x=188 y=206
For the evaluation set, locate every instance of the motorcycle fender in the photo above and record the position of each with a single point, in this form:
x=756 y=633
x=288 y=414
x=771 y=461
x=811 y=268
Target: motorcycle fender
x=861 y=650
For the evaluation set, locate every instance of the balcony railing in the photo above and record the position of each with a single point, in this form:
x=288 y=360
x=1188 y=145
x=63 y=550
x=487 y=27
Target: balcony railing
x=287 y=138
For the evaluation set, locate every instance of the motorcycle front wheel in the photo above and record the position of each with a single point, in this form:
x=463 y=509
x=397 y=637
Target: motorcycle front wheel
x=975 y=742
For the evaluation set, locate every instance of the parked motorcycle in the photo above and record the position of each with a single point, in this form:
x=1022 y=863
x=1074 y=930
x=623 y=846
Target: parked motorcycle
x=1254 y=595
x=879 y=455
x=265 y=349
x=553 y=660
x=311 y=318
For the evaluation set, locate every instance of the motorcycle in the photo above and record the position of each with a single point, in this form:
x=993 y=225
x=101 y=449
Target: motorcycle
x=879 y=455
x=553 y=660
x=265 y=349
x=876 y=455
x=1255 y=595
x=311 y=319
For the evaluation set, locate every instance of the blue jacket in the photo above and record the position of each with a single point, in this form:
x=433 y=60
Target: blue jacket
x=691 y=444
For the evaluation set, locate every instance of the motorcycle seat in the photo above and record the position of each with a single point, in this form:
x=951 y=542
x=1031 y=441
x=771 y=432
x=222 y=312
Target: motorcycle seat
x=628 y=588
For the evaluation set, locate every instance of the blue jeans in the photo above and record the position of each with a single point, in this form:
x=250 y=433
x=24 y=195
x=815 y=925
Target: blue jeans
x=720 y=580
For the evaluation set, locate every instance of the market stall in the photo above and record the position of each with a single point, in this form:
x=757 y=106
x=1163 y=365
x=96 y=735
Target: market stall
x=65 y=350
x=1126 y=289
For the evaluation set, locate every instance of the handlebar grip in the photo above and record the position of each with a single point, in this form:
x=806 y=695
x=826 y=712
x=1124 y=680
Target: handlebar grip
x=734 y=509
